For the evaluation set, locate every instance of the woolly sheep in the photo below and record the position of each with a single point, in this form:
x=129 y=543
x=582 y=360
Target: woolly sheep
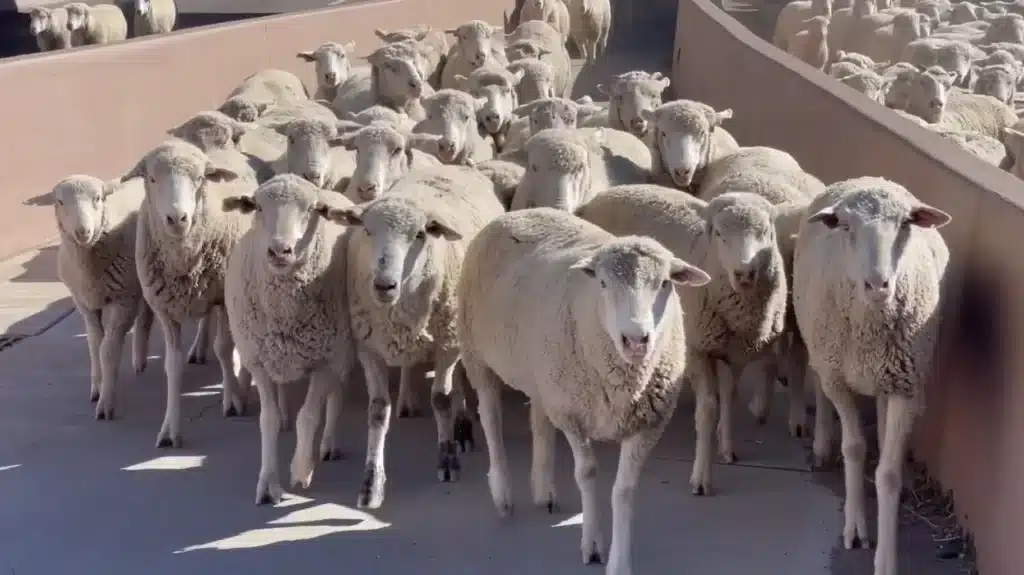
x=986 y=148
x=599 y=319
x=383 y=156
x=1017 y=50
x=375 y=114
x=505 y=176
x=590 y=22
x=843 y=22
x=154 y=17
x=213 y=130
x=687 y=136
x=402 y=273
x=181 y=253
x=630 y=96
x=954 y=56
x=998 y=81
x=883 y=37
x=792 y=16
x=554 y=12
x=868 y=271
x=754 y=159
x=899 y=79
x=538 y=79
x=810 y=44
x=433 y=44
x=262 y=90
x=451 y=114
x=333 y=67
x=1005 y=28
x=286 y=276
x=966 y=12
x=544 y=114
x=395 y=80
x=96 y=24
x=547 y=46
x=1014 y=140
x=497 y=87
x=932 y=100
x=50 y=27
x=477 y=43
x=866 y=82
x=314 y=152
x=844 y=68
x=96 y=261
x=567 y=168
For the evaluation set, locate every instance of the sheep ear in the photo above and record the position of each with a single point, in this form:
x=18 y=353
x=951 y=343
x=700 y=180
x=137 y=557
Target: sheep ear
x=350 y=216
x=281 y=128
x=526 y=109
x=439 y=229
x=719 y=117
x=604 y=89
x=663 y=83
x=110 y=187
x=598 y=137
x=263 y=105
x=926 y=216
x=584 y=100
x=323 y=102
x=649 y=116
x=218 y=174
x=346 y=126
x=349 y=46
x=826 y=216
x=452 y=31
x=479 y=103
x=239 y=129
x=138 y=171
x=347 y=141
x=517 y=76
x=684 y=274
x=242 y=204
x=308 y=56
x=382 y=34
x=585 y=265
x=541 y=52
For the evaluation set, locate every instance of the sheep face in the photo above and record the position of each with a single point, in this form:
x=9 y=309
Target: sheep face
x=497 y=90
x=998 y=81
x=332 y=64
x=401 y=235
x=630 y=96
x=309 y=148
x=243 y=109
x=557 y=170
x=79 y=203
x=875 y=225
x=683 y=131
x=636 y=279
x=210 y=131
x=538 y=80
x=39 y=20
x=537 y=10
x=550 y=113
x=741 y=229
x=955 y=59
x=288 y=214
x=929 y=93
x=399 y=71
x=383 y=155
x=1014 y=142
x=450 y=114
x=528 y=49
x=142 y=7
x=78 y=16
x=899 y=88
x=475 y=42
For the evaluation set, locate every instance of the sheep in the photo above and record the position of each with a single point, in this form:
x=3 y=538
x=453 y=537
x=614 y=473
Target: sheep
x=567 y=168
x=314 y=152
x=154 y=17
x=477 y=43
x=50 y=27
x=181 y=253
x=538 y=79
x=998 y=81
x=402 y=273
x=868 y=272
x=966 y=12
x=868 y=83
x=451 y=114
x=602 y=326
x=1014 y=140
x=843 y=22
x=986 y=148
x=394 y=80
x=932 y=100
x=954 y=56
x=687 y=137
x=630 y=95
x=497 y=87
x=333 y=67
x=96 y=261
x=434 y=47
x=554 y=12
x=792 y=16
x=96 y=24
x=860 y=60
x=212 y=130
x=375 y=114
x=1004 y=28
x=539 y=39
x=810 y=44
x=900 y=79
x=383 y=156
x=262 y=90
x=505 y=176
x=883 y=37
x=286 y=276
x=590 y=22
x=544 y=114
x=1016 y=50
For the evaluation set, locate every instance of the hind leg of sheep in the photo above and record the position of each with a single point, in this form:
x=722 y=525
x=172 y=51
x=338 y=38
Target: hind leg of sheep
x=899 y=419
x=306 y=424
x=329 y=450
x=462 y=393
x=448 y=465
x=117 y=320
x=488 y=390
x=93 y=337
x=633 y=455
x=371 y=493
x=174 y=366
x=140 y=337
x=224 y=348
x=282 y=406
x=727 y=378
x=796 y=375
x=855 y=532
x=703 y=378
x=592 y=542
x=268 y=487
x=197 y=353
x=408 y=406
x=542 y=473
x=760 y=403
x=824 y=425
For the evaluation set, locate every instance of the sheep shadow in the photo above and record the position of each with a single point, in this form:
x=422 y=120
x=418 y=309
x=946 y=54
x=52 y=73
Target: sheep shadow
x=41 y=268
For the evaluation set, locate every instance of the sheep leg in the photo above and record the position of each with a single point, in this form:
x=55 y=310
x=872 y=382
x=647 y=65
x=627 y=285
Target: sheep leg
x=93 y=337
x=542 y=474
x=796 y=376
x=408 y=406
x=282 y=406
x=371 y=493
x=268 y=487
x=633 y=455
x=824 y=426
x=140 y=337
x=329 y=450
x=899 y=419
x=174 y=366
x=586 y=480
x=197 y=353
x=763 y=387
x=488 y=391
x=306 y=424
x=703 y=370
x=855 y=523
x=117 y=320
x=881 y=407
x=460 y=405
x=727 y=402
x=224 y=348
x=448 y=465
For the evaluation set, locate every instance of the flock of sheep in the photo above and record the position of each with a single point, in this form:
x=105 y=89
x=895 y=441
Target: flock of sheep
x=953 y=68
x=81 y=24
x=445 y=207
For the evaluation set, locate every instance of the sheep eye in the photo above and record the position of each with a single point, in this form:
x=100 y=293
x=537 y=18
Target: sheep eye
x=396 y=151
x=60 y=202
x=665 y=284
x=603 y=285
x=421 y=235
x=152 y=180
x=533 y=167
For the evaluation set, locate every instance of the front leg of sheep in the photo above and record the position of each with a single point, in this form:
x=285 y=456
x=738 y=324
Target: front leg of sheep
x=632 y=456
x=702 y=370
x=899 y=420
x=824 y=426
x=224 y=347
x=93 y=337
x=174 y=366
x=197 y=352
x=117 y=320
x=855 y=522
x=282 y=406
x=371 y=493
x=760 y=402
x=586 y=480
x=306 y=424
x=408 y=406
x=448 y=465
x=727 y=378
x=268 y=487
x=796 y=368
x=140 y=337
x=542 y=473
x=329 y=450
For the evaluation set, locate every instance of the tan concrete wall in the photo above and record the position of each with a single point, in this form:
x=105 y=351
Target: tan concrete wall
x=971 y=435
x=96 y=109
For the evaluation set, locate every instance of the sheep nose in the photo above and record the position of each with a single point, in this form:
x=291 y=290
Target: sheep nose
x=331 y=77
x=81 y=233
x=446 y=146
x=743 y=278
x=492 y=121
x=368 y=191
x=415 y=86
x=385 y=287
x=638 y=125
x=177 y=220
x=280 y=251
x=636 y=344
x=935 y=104
x=876 y=285
x=479 y=58
x=681 y=174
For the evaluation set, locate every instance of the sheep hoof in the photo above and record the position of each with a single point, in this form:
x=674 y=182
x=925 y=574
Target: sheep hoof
x=448 y=466
x=408 y=412
x=286 y=424
x=762 y=419
x=820 y=463
x=859 y=543
x=552 y=506
x=464 y=434
x=798 y=431
x=230 y=411
x=730 y=457
x=104 y=413
x=94 y=396
x=332 y=454
x=701 y=490
x=165 y=441
x=371 y=494
x=197 y=359
x=591 y=557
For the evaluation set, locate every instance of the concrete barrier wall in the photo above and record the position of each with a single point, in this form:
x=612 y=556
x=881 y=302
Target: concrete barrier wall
x=95 y=110
x=972 y=434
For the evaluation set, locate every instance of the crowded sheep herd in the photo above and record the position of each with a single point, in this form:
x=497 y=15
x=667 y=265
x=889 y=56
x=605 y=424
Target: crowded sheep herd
x=82 y=24
x=445 y=207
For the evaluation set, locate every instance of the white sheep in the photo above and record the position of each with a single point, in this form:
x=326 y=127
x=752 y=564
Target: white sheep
x=477 y=43
x=154 y=17
x=262 y=90
x=434 y=48
x=544 y=114
x=954 y=56
x=554 y=12
x=505 y=176
x=590 y=23
x=333 y=67
x=314 y=152
x=567 y=168
x=630 y=96
x=984 y=147
x=687 y=136
x=286 y=276
x=538 y=79
x=181 y=253
x=497 y=87
x=96 y=24
x=884 y=36
x=375 y=114
x=96 y=261
x=394 y=79
x=213 y=130
x=1013 y=139
x=868 y=272
x=452 y=115
x=998 y=81
x=844 y=20
x=792 y=16
x=383 y=154
x=534 y=38
x=867 y=82
x=50 y=27
x=933 y=100
x=599 y=319
x=403 y=269
x=810 y=44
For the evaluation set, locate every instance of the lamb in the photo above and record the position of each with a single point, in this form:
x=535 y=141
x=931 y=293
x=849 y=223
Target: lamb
x=50 y=27
x=181 y=253
x=333 y=67
x=554 y=12
x=314 y=152
x=497 y=87
x=154 y=17
x=286 y=276
x=477 y=43
x=402 y=275
x=998 y=81
x=869 y=313
x=96 y=24
x=383 y=156
x=810 y=44
x=793 y=15
x=451 y=114
x=262 y=90
x=434 y=47
x=590 y=22
x=599 y=318
x=538 y=79
x=541 y=39
x=687 y=137
x=96 y=261
x=395 y=80
x=567 y=168
x=932 y=100
x=630 y=95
